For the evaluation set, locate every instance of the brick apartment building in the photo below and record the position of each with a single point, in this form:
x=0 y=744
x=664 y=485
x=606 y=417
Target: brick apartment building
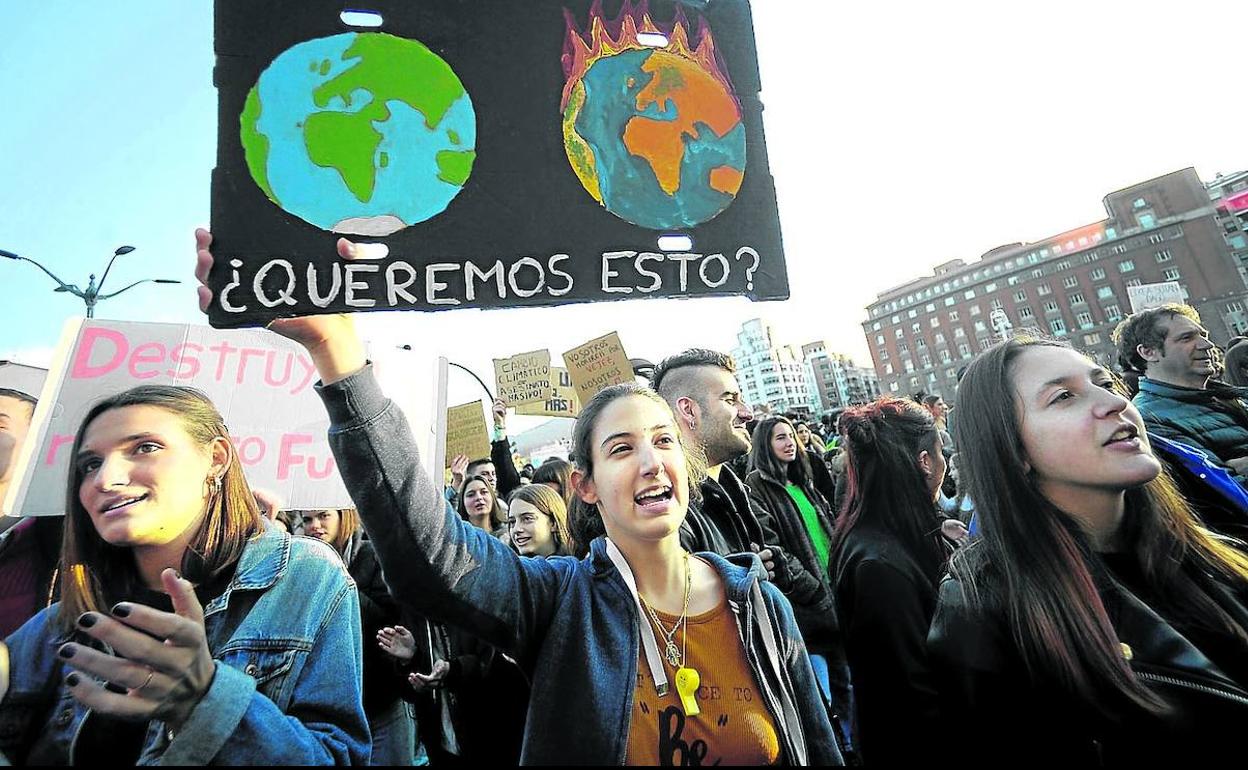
x=1072 y=285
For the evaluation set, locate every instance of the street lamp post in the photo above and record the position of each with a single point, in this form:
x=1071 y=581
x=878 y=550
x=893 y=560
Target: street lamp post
x=91 y=295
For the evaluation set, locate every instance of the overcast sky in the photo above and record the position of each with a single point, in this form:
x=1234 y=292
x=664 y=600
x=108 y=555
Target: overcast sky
x=900 y=135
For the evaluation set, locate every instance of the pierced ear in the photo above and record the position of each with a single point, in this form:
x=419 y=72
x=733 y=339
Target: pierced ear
x=222 y=456
x=687 y=409
x=585 y=487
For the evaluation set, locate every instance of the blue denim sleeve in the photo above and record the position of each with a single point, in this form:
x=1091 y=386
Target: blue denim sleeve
x=435 y=563
x=323 y=725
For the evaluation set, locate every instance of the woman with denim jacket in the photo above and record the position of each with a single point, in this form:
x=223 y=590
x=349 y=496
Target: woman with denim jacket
x=1093 y=620
x=584 y=631
x=187 y=632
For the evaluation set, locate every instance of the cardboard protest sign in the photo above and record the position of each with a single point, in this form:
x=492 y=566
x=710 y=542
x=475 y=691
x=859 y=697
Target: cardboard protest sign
x=562 y=400
x=524 y=378
x=1151 y=295
x=466 y=433
x=259 y=382
x=456 y=133
x=597 y=364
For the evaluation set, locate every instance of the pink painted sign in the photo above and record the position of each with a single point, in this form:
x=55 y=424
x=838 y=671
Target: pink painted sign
x=261 y=384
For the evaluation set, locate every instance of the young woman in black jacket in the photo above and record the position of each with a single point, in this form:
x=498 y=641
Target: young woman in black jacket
x=888 y=556
x=1094 y=620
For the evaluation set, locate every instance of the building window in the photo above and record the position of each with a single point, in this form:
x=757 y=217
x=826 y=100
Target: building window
x=1171 y=274
x=975 y=310
x=1024 y=313
x=991 y=287
x=899 y=332
x=997 y=304
x=926 y=361
x=1050 y=307
x=945 y=357
x=902 y=347
x=1092 y=339
x=1098 y=274
x=934 y=322
x=1058 y=326
x=930 y=307
x=985 y=343
x=888 y=368
x=1044 y=289
x=892 y=387
x=940 y=338
x=879 y=339
x=1134 y=282
x=949 y=301
x=1063 y=265
x=1156 y=238
x=1070 y=281
x=1084 y=320
x=920 y=344
x=1112 y=313
x=909 y=365
x=1234 y=307
x=959 y=332
x=1105 y=292
x=980 y=327
x=883 y=354
x=964 y=350
x=953 y=315
x=1164 y=255
x=1020 y=296
x=913 y=313
x=1077 y=298
x=915 y=327
x=896 y=319
x=876 y=326
x=1126 y=266
x=970 y=294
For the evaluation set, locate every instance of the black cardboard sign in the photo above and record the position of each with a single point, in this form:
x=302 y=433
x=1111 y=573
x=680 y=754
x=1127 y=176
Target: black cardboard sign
x=506 y=153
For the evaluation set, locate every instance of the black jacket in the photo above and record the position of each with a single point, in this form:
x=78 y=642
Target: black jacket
x=383 y=683
x=988 y=697
x=723 y=521
x=811 y=595
x=505 y=467
x=885 y=601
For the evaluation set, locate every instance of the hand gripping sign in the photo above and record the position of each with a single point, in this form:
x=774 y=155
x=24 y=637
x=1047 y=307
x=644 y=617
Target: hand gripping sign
x=504 y=154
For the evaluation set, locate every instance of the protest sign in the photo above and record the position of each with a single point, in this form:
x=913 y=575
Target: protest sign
x=466 y=433
x=1151 y=295
x=22 y=377
x=524 y=378
x=560 y=402
x=260 y=383
x=597 y=364
x=455 y=133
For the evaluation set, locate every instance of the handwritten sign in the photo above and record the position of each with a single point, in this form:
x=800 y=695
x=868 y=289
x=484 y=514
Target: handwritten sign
x=597 y=364
x=452 y=165
x=261 y=384
x=562 y=400
x=466 y=433
x=1151 y=295
x=523 y=378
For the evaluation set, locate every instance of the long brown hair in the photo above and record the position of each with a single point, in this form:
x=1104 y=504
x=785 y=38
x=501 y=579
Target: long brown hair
x=763 y=458
x=548 y=501
x=348 y=525
x=498 y=514
x=884 y=485
x=96 y=574
x=1035 y=562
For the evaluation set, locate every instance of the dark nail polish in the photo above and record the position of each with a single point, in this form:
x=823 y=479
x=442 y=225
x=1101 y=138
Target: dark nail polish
x=66 y=651
x=121 y=610
x=115 y=688
x=86 y=619
x=72 y=680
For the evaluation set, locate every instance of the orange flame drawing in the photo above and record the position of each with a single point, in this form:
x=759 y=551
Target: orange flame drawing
x=606 y=37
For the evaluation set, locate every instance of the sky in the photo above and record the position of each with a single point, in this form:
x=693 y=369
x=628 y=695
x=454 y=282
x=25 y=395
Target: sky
x=900 y=135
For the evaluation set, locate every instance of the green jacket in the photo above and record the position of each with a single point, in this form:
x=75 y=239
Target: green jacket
x=1213 y=420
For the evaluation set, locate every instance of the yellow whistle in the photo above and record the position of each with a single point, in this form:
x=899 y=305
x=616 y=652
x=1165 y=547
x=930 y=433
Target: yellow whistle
x=687 y=683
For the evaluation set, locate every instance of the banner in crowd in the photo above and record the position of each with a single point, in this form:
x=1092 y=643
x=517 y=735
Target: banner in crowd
x=597 y=364
x=561 y=401
x=654 y=165
x=260 y=382
x=466 y=433
x=1151 y=295
x=524 y=378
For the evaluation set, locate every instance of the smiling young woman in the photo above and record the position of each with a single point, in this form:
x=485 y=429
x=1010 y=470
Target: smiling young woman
x=1094 y=619
x=172 y=593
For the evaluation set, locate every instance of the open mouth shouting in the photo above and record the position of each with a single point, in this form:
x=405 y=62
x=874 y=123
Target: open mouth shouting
x=654 y=499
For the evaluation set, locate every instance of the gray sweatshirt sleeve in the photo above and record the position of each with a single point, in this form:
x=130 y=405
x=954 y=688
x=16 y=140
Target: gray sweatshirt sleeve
x=435 y=563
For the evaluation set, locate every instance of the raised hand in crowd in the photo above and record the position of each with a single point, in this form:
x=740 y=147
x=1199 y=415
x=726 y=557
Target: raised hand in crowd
x=459 y=469
x=499 y=410
x=397 y=642
x=160 y=666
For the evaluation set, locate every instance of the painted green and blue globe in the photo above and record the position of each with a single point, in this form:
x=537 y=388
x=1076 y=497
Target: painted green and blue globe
x=359 y=133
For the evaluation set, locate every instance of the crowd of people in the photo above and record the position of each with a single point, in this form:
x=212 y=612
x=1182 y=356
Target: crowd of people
x=1048 y=566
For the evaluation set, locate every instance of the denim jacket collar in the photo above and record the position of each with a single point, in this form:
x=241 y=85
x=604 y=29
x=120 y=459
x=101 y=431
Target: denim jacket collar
x=263 y=562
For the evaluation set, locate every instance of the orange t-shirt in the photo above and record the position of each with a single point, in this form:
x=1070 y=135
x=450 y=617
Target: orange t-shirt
x=734 y=726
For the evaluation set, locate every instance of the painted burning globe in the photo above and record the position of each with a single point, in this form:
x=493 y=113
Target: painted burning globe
x=359 y=133
x=654 y=134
